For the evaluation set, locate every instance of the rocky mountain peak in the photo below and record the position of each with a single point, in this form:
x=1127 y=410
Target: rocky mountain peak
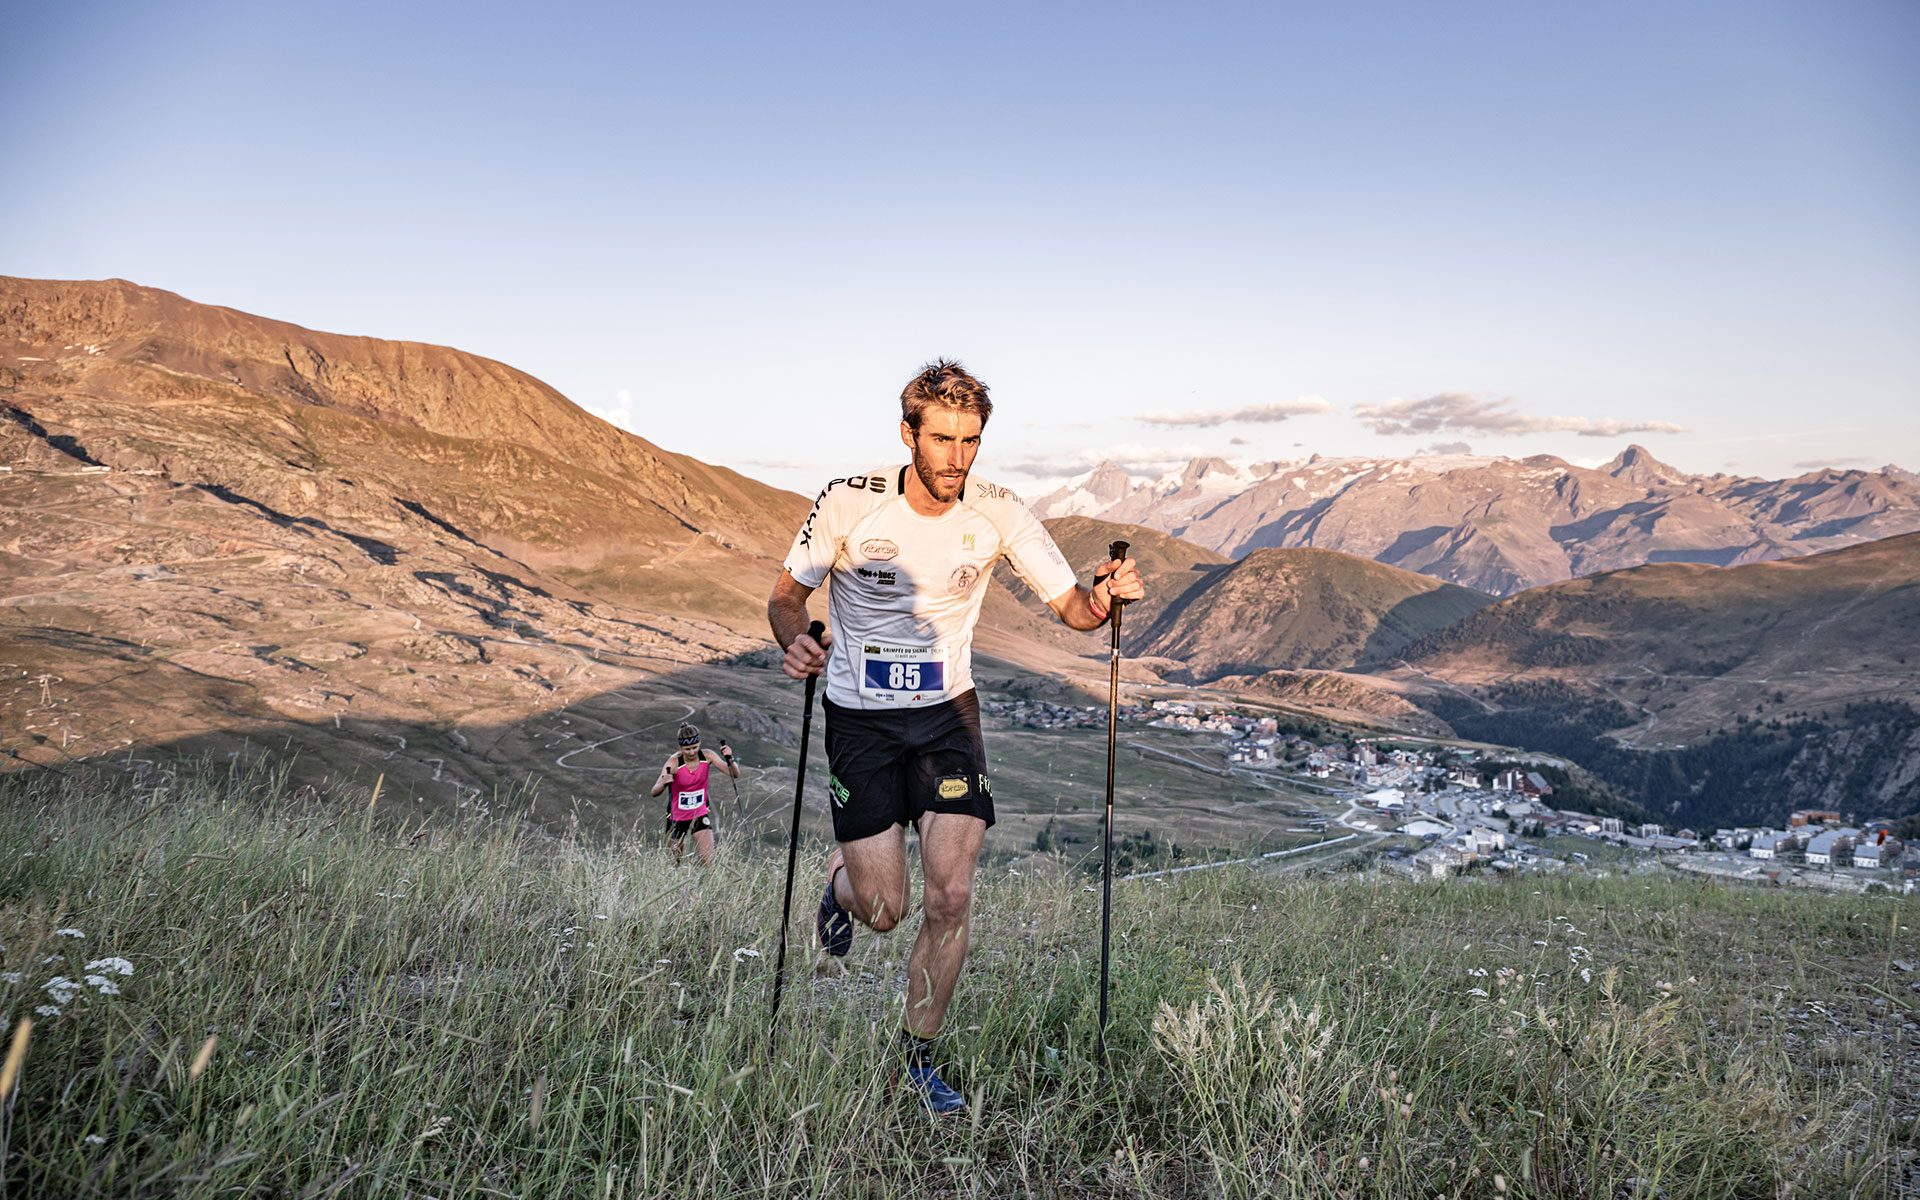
x=1107 y=482
x=1199 y=468
x=1636 y=464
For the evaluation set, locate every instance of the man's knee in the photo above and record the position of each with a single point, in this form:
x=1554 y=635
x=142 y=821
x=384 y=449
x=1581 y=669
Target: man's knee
x=947 y=903
x=877 y=910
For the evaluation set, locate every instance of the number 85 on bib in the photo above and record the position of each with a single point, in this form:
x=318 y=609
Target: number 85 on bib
x=902 y=675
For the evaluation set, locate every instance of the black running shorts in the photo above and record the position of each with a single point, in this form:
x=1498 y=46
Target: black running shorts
x=888 y=766
x=679 y=829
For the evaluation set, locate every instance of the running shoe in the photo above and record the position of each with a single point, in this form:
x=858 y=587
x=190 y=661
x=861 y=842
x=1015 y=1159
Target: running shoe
x=831 y=922
x=925 y=1082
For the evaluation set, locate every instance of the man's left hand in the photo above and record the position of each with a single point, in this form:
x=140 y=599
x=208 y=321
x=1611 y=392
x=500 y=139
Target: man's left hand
x=1122 y=582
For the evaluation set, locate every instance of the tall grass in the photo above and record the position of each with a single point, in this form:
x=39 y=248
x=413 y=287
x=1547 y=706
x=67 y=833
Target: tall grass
x=331 y=1000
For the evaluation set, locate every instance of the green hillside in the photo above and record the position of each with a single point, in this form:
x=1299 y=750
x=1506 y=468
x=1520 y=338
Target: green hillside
x=242 y=990
x=1303 y=608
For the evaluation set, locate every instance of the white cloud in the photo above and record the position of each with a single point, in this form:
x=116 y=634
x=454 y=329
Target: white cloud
x=1458 y=412
x=1446 y=448
x=1817 y=464
x=619 y=411
x=1279 y=410
x=1135 y=458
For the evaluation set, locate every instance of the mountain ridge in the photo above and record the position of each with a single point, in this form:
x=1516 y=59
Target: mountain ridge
x=1502 y=525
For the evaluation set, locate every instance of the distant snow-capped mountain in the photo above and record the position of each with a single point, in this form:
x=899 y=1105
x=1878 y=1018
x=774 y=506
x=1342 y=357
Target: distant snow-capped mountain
x=1501 y=524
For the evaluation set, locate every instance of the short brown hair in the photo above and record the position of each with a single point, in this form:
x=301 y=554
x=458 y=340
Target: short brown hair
x=945 y=383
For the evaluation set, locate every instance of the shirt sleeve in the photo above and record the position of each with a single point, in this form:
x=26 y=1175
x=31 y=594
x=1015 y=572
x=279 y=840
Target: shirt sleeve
x=816 y=545
x=1029 y=547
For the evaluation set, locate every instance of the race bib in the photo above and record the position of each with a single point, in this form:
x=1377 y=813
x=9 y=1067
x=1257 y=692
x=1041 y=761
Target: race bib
x=902 y=676
x=691 y=801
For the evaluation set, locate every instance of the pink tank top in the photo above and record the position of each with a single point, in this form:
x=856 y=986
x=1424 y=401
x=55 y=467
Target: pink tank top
x=689 y=791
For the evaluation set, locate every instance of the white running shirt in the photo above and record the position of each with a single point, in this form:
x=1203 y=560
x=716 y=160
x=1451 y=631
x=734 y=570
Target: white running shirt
x=907 y=589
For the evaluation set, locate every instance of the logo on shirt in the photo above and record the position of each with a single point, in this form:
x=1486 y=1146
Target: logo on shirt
x=962 y=578
x=883 y=578
x=806 y=530
x=879 y=549
x=966 y=541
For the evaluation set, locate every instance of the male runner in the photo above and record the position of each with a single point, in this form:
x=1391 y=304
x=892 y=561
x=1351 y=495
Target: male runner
x=687 y=811
x=907 y=550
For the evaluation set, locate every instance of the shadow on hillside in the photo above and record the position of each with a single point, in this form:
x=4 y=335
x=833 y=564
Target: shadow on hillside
x=1414 y=618
x=587 y=764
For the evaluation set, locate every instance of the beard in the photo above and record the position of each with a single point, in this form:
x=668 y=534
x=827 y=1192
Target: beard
x=944 y=488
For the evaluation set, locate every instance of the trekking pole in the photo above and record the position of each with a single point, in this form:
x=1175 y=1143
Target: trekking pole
x=793 y=845
x=739 y=806
x=1117 y=550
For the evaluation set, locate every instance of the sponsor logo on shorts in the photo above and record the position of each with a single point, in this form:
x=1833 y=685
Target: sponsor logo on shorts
x=986 y=788
x=962 y=578
x=838 y=791
x=879 y=549
x=952 y=787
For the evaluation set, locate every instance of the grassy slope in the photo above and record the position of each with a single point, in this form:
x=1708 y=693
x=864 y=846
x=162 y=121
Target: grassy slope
x=320 y=1003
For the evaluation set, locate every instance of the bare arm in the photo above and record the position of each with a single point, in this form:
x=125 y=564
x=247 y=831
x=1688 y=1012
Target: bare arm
x=666 y=776
x=722 y=760
x=787 y=614
x=1088 y=608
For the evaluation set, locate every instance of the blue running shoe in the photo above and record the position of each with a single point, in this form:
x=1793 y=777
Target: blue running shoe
x=925 y=1082
x=831 y=922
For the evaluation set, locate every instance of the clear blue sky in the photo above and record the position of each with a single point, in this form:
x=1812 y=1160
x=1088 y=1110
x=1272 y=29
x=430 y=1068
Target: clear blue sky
x=738 y=228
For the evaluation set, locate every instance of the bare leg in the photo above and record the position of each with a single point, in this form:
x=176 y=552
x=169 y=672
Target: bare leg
x=679 y=847
x=873 y=884
x=703 y=845
x=949 y=852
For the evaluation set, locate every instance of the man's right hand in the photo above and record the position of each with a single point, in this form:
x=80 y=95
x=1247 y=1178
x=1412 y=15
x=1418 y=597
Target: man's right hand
x=805 y=656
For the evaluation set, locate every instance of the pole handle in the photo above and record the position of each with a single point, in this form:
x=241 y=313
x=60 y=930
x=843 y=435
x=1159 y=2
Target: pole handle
x=1116 y=550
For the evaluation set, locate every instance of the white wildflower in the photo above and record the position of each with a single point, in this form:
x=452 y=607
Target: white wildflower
x=1477 y=972
x=1480 y=992
x=72 y=933
x=743 y=953
x=10 y=976
x=106 y=987
x=61 y=989
x=47 y=1010
x=1586 y=976
x=114 y=966
x=94 y=1139
x=662 y=962
x=599 y=916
